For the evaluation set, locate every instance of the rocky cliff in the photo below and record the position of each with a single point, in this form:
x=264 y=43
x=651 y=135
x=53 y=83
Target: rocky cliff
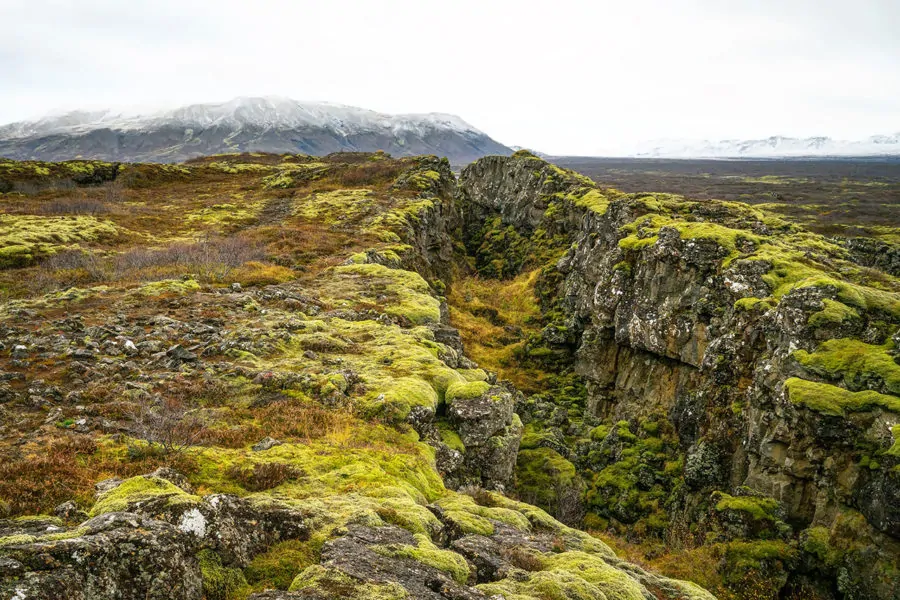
x=741 y=376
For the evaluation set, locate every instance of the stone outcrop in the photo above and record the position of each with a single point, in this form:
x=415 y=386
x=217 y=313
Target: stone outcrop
x=710 y=319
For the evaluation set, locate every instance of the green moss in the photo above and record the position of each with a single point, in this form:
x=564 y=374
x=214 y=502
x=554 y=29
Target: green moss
x=335 y=206
x=411 y=294
x=895 y=448
x=623 y=266
x=751 y=304
x=470 y=517
x=817 y=542
x=831 y=400
x=541 y=473
x=221 y=582
x=427 y=553
x=832 y=313
x=450 y=437
x=15 y=540
x=592 y=200
x=760 y=508
x=15 y=256
x=615 y=492
x=64 y=535
x=635 y=243
x=24 y=238
x=856 y=363
x=466 y=391
x=277 y=567
x=569 y=576
x=333 y=583
x=138 y=489
x=406 y=393
x=744 y=556
x=791 y=269
x=225 y=214
x=178 y=287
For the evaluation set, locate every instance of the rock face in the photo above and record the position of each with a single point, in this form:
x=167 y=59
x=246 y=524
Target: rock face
x=733 y=331
x=116 y=555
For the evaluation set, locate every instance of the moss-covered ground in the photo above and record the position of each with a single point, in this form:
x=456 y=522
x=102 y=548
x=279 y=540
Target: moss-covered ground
x=290 y=297
x=244 y=297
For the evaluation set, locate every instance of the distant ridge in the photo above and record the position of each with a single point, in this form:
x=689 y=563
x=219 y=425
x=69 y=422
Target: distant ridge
x=246 y=124
x=772 y=147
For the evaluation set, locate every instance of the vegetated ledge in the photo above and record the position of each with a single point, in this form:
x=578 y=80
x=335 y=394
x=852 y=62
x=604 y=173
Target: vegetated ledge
x=348 y=501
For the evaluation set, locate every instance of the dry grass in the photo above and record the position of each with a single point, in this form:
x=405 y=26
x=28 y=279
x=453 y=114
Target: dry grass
x=494 y=318
x=210 y=260
x=64 y=466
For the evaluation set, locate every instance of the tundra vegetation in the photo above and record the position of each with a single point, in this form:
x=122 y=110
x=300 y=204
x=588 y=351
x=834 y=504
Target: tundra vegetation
x=355 y=376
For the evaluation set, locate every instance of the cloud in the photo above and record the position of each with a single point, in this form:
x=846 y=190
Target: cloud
x=568 y=77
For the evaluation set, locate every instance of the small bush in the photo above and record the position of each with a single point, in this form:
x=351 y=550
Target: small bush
x=263 y=476
x=523 y=559
x=168 y=426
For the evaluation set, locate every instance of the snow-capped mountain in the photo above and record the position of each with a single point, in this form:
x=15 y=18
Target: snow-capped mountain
x=262 y=124
x=773 y=147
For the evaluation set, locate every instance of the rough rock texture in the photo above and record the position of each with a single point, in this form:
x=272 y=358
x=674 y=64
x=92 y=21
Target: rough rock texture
x=691 y=315
x=118 y=555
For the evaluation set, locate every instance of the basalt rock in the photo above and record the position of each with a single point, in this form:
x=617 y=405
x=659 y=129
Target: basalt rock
x=690 y=317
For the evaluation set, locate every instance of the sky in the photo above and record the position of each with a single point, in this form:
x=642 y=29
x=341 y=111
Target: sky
x=562 y=77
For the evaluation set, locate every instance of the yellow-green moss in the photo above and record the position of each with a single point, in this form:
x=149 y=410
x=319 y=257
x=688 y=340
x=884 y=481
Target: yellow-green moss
x=751 y=304
x=409 y=294
x=221 y=582
x=15 y=540
x=337 y=584
x=450 y=437
x=895 y=448
x=831 y=400
x=569 y=576
x=224 y=214
x=541 y=473
x=427 y=553
x=474 y=518
x=24 y=238
x=466 y=391
x=833 y=312
x=406 y=393
x=137 y=489
x=592 y=199
x=277 y=567
x=178 y=287
x=761 y=508
x=858 y=364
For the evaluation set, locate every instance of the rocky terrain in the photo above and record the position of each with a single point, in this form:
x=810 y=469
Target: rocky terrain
x=279 y=376
x=264 y=124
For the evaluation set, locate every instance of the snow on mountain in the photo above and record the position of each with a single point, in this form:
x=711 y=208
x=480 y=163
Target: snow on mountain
x=260 y=112
x=258 y=124
x=772 y=147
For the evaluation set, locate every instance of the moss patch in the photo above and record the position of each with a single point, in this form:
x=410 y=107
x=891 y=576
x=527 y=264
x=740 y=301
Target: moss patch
x=857 y=364
x=832 y=400
x=137 y=489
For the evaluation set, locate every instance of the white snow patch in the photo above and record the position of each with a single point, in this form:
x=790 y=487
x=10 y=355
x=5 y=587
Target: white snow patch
x=267 y=112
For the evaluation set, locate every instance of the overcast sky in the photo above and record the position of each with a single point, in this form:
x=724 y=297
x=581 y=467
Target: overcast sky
x=565 y=77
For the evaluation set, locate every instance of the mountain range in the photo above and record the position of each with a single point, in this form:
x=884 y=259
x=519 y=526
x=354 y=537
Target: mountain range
x=246 y=124
x=772 y=147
